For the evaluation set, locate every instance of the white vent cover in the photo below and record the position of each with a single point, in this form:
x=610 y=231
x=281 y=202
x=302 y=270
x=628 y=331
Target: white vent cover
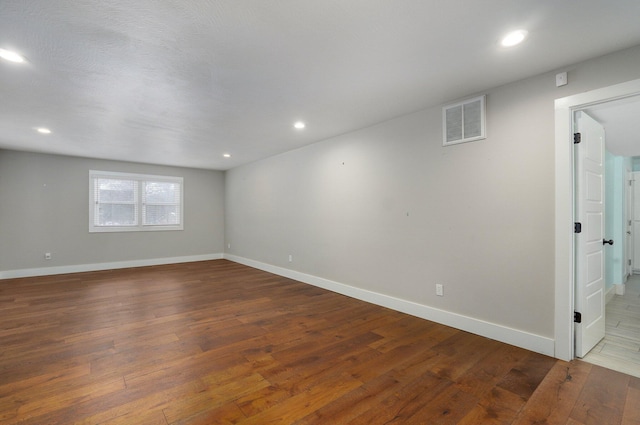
x=464 y=121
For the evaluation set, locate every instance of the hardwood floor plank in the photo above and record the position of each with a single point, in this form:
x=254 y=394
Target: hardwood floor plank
x=448 y=407
x=631 y=414
x=426 y=334
x=184 y=370
x=405 y=361
x=142 y=418
x=497 y=407
x=459 y=353
x=490 y=370
x=224 y=415
x=216 y=342
x=353 y=404
x=599 y=403
x=219 y=393
x=51 y=399
x=524 y=378
x=555 y=397
x=125 y=406
x=261 y=400
x=408 y=397
x=304 y=402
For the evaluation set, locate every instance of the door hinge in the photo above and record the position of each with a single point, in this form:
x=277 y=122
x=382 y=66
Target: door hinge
x=577 y=227
x=577 y=138
x=577 y=317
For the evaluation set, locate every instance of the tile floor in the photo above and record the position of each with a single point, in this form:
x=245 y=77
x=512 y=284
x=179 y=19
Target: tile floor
x=620 y=348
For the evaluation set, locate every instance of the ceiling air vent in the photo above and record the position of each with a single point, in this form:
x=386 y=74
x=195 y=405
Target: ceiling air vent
x=464 y=121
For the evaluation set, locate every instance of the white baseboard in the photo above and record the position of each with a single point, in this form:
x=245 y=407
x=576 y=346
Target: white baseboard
x=45 y=271
x=494 y=331
x=619 y=288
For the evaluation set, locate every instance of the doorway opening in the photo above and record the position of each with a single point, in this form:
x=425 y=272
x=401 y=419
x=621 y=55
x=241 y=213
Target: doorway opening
x=616 y=344
x=565 y=250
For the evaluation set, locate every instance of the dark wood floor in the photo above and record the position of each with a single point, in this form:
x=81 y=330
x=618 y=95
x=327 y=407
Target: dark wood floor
x=219 y=343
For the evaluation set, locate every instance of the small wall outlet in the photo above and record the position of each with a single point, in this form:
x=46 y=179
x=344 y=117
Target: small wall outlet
x=439 y=290
x=47 y=256
x=228 y=246
x=290 y=258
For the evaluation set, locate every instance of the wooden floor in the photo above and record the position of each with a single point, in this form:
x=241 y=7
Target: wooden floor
x=620 y=348
x=220 y=343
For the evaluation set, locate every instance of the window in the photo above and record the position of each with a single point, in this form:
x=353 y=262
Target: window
x=122 y=202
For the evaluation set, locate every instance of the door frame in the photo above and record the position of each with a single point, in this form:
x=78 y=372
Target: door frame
x=628 y=223
x=564 y=207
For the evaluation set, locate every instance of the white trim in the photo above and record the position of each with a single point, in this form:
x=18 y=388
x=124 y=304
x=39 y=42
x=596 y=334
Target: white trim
x=494 y=331
x=78 y=268
x=564 y=250
x=135 y=176
x=619 y=288
x=139 y=202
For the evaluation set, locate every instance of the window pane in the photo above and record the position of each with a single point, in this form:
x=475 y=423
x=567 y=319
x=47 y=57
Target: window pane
x=158 y=215
x=162 y=192
x=134 y=202
x=112 y=190
x=116 y=215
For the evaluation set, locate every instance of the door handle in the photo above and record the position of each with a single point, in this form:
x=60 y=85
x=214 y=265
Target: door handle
x=610 y=242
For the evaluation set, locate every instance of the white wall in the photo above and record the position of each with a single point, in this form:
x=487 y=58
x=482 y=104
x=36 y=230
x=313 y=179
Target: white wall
x=44 y=208
x=388 y=210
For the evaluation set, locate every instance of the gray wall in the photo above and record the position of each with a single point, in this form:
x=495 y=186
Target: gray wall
x=44 y=207
x=388 y=209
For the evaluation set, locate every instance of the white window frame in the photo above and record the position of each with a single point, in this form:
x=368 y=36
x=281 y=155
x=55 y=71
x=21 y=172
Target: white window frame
x=140 y=180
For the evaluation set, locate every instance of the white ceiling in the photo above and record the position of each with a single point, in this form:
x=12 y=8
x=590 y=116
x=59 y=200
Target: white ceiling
x=180 y=82
x=621 y=121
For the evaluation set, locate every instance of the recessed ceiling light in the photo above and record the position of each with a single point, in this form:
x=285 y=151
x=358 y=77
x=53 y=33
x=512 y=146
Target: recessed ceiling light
x=299 y=125
x=11 y=56
x=43 y=130
x=513 y=38
x=227 y=155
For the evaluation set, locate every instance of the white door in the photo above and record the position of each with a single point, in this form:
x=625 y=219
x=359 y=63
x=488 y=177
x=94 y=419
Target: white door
x=635 y=232
x=590 y=295
x=629 y=223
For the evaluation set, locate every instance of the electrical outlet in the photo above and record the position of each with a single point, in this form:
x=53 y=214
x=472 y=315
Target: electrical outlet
x=290 y=258
x=228 y=246
x=47 y=256
x=439 y=290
